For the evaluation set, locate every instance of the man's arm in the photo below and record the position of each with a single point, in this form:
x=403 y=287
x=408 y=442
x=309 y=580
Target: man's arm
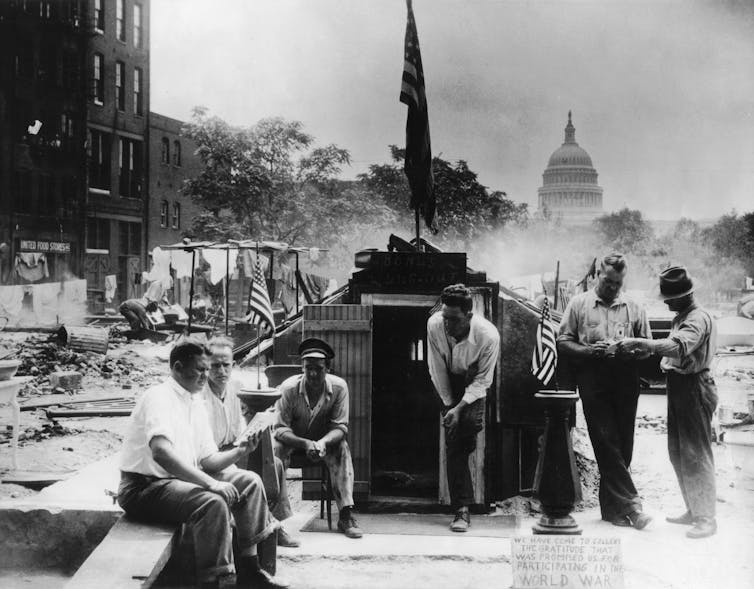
x=568 y=337
x=283 y=424
x=438 y=369
x=486 y=364
x=165 y=455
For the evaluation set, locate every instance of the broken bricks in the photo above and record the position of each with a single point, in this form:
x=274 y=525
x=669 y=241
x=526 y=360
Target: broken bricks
x=69 y=380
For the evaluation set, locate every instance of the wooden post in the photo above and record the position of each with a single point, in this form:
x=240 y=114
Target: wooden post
x=418 y=230
x=227 y=287
x=557 y=280
x=191 y=292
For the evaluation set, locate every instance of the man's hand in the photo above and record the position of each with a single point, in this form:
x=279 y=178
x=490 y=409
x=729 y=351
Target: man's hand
x=313 y=450
x=450 y=421
x=598 y=349
x=249 y=443
x=226 y=490
x=635 y=347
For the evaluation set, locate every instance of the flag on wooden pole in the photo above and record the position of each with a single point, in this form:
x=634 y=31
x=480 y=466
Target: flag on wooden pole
x=545 y=356
x=260 y=309
x=418 y=160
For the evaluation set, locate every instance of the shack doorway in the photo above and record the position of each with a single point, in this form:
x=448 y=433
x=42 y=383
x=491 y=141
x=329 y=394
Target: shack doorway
x=405 y=427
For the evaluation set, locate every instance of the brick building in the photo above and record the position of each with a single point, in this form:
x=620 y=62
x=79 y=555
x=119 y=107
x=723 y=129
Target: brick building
x=117 y=133
x=171 y=161
x=43 y=101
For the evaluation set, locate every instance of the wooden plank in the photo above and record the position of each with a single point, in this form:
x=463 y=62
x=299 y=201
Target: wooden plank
x=132 y=555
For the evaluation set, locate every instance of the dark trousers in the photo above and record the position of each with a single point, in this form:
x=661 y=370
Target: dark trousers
x=459 y=444
x=609 y=391
x=692 y=399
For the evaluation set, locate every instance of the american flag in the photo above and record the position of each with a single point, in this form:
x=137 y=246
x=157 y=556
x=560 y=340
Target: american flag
x=418 y=160
x=545 y=356
x=260 y=309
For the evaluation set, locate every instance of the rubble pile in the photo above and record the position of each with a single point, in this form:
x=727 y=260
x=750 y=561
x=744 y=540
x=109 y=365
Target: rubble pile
x=656 y=423
x=589 y=475
x=51 y=365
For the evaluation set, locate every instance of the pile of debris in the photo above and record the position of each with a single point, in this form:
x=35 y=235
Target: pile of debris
x=55 y=368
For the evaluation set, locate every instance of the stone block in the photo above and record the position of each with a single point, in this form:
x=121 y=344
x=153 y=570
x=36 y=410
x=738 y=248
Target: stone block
x=70 y=380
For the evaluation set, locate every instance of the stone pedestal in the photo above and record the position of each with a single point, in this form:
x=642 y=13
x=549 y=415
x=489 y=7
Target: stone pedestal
x=556 y=482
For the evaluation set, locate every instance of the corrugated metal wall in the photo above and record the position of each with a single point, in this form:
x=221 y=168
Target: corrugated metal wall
x=348 y=329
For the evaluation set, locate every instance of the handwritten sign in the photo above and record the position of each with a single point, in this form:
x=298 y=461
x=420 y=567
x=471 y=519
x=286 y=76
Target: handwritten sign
x=567 y=562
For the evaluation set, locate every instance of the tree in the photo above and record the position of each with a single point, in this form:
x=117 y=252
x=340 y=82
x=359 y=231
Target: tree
x=732 y=239
x=625 y=231
x=466 y=209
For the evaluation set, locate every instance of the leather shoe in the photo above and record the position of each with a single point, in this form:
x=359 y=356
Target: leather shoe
x=703 y=527
x=349 y=527
x=639 y=519
x=461 y=522
x=685 y=520
x=621 y=521
x=286 y=540
x=260 y=579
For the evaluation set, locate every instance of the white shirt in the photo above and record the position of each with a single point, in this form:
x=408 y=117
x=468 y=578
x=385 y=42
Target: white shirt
x=225 y=416
x=168 y=410
x=481 y=348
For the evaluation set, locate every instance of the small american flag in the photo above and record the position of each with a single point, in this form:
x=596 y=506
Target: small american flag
x=260 y=309
x=545 y=356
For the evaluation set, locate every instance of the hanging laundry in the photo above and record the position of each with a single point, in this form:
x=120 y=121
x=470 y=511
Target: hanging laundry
x=181 y=262
x=111 y=287
x=217 y=258
x=160 y=269
x=249 y=258
x=45 y=303
x=11 y=302
x=31 y=266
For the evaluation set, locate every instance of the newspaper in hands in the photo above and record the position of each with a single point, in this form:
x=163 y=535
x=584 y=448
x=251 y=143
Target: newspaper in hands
x=261 y=422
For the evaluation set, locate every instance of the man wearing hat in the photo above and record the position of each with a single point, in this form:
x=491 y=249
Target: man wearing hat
x=608 y=382
x=692 y=397
x=312 y=417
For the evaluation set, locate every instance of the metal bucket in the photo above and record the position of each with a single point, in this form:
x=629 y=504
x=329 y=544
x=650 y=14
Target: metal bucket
x=85 y=339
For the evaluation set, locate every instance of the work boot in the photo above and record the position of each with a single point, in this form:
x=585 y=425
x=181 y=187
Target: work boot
x=250 y=575
x=286 y=540
x=703 y=527
x=621 y=521
x=639 y=519
x=685 y=520
x=461 y=522
x=347 y=524
x=220 y=582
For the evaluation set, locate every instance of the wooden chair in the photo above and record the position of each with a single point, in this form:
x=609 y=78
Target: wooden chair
x=299 y=459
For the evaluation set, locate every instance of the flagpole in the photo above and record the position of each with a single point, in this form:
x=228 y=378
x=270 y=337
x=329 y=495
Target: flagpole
x=557 y=280
x=418 y=228
x=259 y=328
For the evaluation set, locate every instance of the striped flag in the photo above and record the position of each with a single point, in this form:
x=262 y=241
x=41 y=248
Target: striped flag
x=545 y=356
x=418 y=160
x=260 y=309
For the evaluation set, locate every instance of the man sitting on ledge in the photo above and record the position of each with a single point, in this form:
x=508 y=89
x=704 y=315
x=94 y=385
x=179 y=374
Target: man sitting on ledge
x=172 y=472
x=312 y=417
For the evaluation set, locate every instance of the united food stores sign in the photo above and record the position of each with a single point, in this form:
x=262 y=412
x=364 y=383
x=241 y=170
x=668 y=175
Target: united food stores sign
x=47 y=247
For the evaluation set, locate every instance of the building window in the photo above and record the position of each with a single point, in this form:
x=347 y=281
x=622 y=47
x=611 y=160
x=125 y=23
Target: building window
x=176 y=215
x=120 y=90
x=99 y=160
x=138 y=102
x=99 y=78
x=130 y=168
x=120 y=20
x=137 y=26
x=176 y=153
x=165 y=155
x=164 y=214
x=22 y=190
x=130 y=238
x=98 y=234
x=47 y=204
x=99 y=16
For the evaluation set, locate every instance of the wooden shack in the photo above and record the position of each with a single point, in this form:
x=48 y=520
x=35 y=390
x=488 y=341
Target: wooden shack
x=377 y=328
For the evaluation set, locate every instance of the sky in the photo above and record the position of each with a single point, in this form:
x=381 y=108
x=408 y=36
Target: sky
x=662 y=91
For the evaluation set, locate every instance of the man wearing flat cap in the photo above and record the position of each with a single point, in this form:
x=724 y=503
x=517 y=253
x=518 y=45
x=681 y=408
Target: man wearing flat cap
x=692 y=398
x=312 y=417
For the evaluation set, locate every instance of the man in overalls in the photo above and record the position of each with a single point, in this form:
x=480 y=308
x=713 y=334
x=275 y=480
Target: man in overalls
x=692 y=398
x=608 y=382
x=463 y=349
